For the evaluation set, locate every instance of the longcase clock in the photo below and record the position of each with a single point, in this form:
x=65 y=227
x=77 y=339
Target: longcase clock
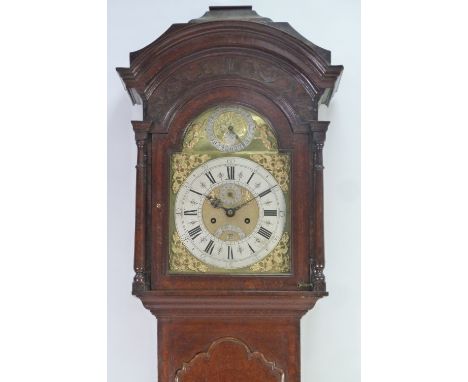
x=229 y=242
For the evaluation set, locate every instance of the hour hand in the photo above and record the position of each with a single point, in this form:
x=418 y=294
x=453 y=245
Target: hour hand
x=215 y=202
x=231 y=130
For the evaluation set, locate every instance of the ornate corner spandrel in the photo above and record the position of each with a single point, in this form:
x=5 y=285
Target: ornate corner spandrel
x=229 y=359
x=194 y=134
x=278 y=261
x=182 y=166
x=181 y=260
x=264 y=135
x=277 y=165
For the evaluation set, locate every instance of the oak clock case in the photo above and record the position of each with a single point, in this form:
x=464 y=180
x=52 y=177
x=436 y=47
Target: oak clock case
x=229 y=240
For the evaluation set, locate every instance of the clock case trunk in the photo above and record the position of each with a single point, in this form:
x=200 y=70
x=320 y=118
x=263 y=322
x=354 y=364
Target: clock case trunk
x=229 y=56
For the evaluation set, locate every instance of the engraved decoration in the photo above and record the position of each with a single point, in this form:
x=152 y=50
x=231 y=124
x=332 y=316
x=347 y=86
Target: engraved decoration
x=277 y=261
x=194 y=134
x=277 y=165
x=182 y=166
x=230 y=129
x=229 y=359
x=182 y=260
x=193 y=74
x=266 y=137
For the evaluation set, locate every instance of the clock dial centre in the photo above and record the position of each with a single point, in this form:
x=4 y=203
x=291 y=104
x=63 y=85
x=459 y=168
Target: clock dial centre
x=230 y=220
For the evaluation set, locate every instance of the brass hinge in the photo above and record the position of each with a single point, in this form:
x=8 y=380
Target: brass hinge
x=303 y=285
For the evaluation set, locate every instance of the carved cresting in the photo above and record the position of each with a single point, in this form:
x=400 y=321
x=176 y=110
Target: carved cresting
x=140 y=281
x=258 y=70
x=317 y=260
x=229 y=360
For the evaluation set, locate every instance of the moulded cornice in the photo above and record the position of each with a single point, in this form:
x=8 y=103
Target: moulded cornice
x=184 y=40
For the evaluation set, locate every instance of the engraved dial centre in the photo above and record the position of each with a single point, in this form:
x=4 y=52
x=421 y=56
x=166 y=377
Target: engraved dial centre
x=230 y=129
x=231 y=224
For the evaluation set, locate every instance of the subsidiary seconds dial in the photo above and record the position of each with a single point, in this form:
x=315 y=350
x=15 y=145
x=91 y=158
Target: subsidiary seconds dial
x=230 y=129
x=230 y=212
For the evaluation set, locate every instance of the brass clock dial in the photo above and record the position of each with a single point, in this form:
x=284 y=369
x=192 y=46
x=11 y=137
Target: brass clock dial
x=230 y=129
x=229 y=197
x=230 y=212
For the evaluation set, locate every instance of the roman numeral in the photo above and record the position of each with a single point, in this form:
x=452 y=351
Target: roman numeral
x=210 y=177
x=264 y=232
x=195 y=232
x=230 y=172
x=251 y=248
x=251 y=176
x=264 y=193
x=209 y=248
x=196 y=192
x=230 y=253
x=190 y=212
x=270 y=213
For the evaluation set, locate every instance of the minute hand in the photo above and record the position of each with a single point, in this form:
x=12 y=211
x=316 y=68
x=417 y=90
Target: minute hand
x=256 y=196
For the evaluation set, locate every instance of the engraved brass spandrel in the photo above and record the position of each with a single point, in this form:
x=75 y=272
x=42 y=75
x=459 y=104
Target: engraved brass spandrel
x=181 y=260
x=183 y=165
x=278 y=261
x=195 y=132
x=277 y=165
x=264 y=135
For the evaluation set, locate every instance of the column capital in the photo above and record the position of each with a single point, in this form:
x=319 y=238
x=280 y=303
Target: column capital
x=318 y=129
x=141 y=129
